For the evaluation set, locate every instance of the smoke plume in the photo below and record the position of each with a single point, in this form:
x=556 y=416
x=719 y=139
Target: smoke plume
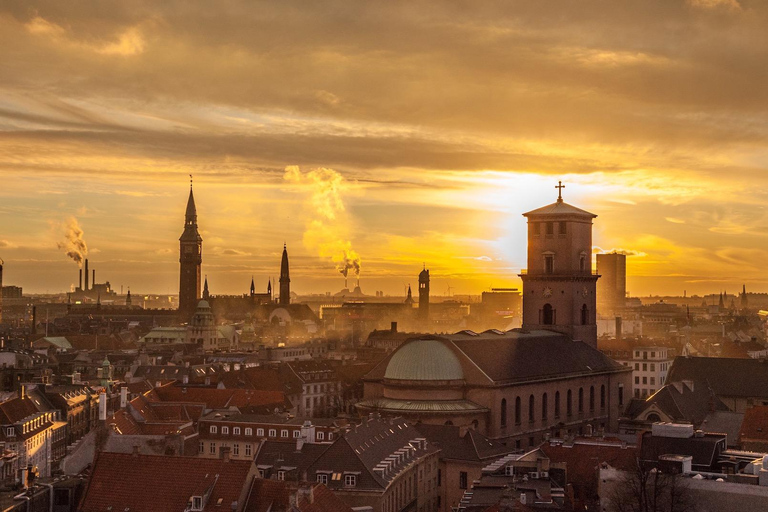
x=73 y=243
x=325 y=230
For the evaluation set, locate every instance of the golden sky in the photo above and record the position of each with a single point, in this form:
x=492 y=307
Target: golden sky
x=405 y=132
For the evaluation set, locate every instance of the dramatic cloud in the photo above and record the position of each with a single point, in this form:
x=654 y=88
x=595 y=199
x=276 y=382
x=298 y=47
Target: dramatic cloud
x=453 y=119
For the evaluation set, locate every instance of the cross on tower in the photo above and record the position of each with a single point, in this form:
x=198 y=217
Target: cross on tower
x=559 y=188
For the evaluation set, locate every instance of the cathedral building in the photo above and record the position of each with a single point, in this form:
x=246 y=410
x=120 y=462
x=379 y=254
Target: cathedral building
x=521 y=385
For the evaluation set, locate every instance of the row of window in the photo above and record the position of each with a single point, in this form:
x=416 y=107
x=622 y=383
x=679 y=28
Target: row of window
x=235 y=449
x=549 y=228
x=320 y=436
x=653 y=354
x=662 y=367
x=651 y=381
x=545 y=404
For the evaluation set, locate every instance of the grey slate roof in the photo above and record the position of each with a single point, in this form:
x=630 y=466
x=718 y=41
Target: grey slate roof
x=681 y=403
x=516 y=356
x=727 y=377
x=473 y=446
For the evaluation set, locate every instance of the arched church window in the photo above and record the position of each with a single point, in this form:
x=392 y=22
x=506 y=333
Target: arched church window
x=602 y=396
x=581 y=399
x=531 y=403
x=557 y=404
x=518 y=412
x=503 y=412
x=591 y=398
x=569 y=403
x=549 y=263
x=544 y=406
x=584 y=315
x=548 y=315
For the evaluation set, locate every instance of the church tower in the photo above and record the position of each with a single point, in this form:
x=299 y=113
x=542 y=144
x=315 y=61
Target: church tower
x=559 y=287
x=424 y=294
x=191 y=259
x=285 y=280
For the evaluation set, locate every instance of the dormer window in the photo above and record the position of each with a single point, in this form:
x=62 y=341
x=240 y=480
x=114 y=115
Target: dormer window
x=214 y=429
x=197 y=503
x=350 y=480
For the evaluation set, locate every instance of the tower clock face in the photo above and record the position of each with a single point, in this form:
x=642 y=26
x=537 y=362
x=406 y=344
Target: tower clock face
x=547 y=291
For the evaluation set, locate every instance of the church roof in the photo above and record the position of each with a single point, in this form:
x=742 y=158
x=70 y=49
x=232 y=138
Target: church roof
x=424 y=360
x=495 y=357
x=559 y=208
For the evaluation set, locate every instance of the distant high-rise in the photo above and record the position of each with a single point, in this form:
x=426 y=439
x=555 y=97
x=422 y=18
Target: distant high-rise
x=559 y=286
x=285 y=279
x=424 y=294
x=612 y=287
x=191 y=260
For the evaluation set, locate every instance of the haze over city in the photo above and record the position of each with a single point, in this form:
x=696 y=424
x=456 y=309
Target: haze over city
x=400 y=133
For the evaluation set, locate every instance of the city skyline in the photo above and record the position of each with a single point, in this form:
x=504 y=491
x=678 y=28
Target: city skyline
x=408 y=135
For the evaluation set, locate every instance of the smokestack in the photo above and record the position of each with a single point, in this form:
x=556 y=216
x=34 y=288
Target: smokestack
x=93 y=281
x=102 y=406
x=81 y=280
x=618 y=328
x=86 y=275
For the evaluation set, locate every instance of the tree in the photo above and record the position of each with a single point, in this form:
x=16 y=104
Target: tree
x=648 y=489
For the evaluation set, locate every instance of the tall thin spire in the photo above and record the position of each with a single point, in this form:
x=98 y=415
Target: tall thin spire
x=285 y=278
x=206 y=293
x=253 y=287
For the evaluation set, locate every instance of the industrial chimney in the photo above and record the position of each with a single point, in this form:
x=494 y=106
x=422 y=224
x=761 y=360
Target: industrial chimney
x=86 y=276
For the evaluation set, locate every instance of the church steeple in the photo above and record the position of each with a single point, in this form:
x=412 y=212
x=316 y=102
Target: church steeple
x=285 y=279
x=191 y=260
x=206 y=293
x=409 y=297
x=253 y=287
x=128 y=298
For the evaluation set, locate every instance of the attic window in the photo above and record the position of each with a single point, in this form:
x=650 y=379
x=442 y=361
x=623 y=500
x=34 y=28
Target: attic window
x=197 y=503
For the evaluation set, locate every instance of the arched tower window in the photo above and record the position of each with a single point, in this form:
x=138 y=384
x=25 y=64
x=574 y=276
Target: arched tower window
x=584 y=315
x=503 y=412
x=557 y=404
x=518 y=412
x=547 y=315
x=569 y=403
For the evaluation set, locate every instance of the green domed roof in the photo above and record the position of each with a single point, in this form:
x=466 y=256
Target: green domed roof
x=424 y=360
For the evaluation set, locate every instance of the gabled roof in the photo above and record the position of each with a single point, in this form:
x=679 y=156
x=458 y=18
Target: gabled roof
x=681 y=402
x=560 y=208
x=727 y=377
x=215 y=398
x=148 y=483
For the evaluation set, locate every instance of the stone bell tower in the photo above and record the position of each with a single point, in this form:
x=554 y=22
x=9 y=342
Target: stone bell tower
x=559 y=286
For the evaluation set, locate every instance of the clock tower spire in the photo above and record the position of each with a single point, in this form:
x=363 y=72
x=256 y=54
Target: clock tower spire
x=190 y=259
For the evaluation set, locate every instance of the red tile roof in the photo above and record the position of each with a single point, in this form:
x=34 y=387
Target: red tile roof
x=268 y=496
x=151 y=483
x=215 y=398
x=322 y=499
x=755 y=424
